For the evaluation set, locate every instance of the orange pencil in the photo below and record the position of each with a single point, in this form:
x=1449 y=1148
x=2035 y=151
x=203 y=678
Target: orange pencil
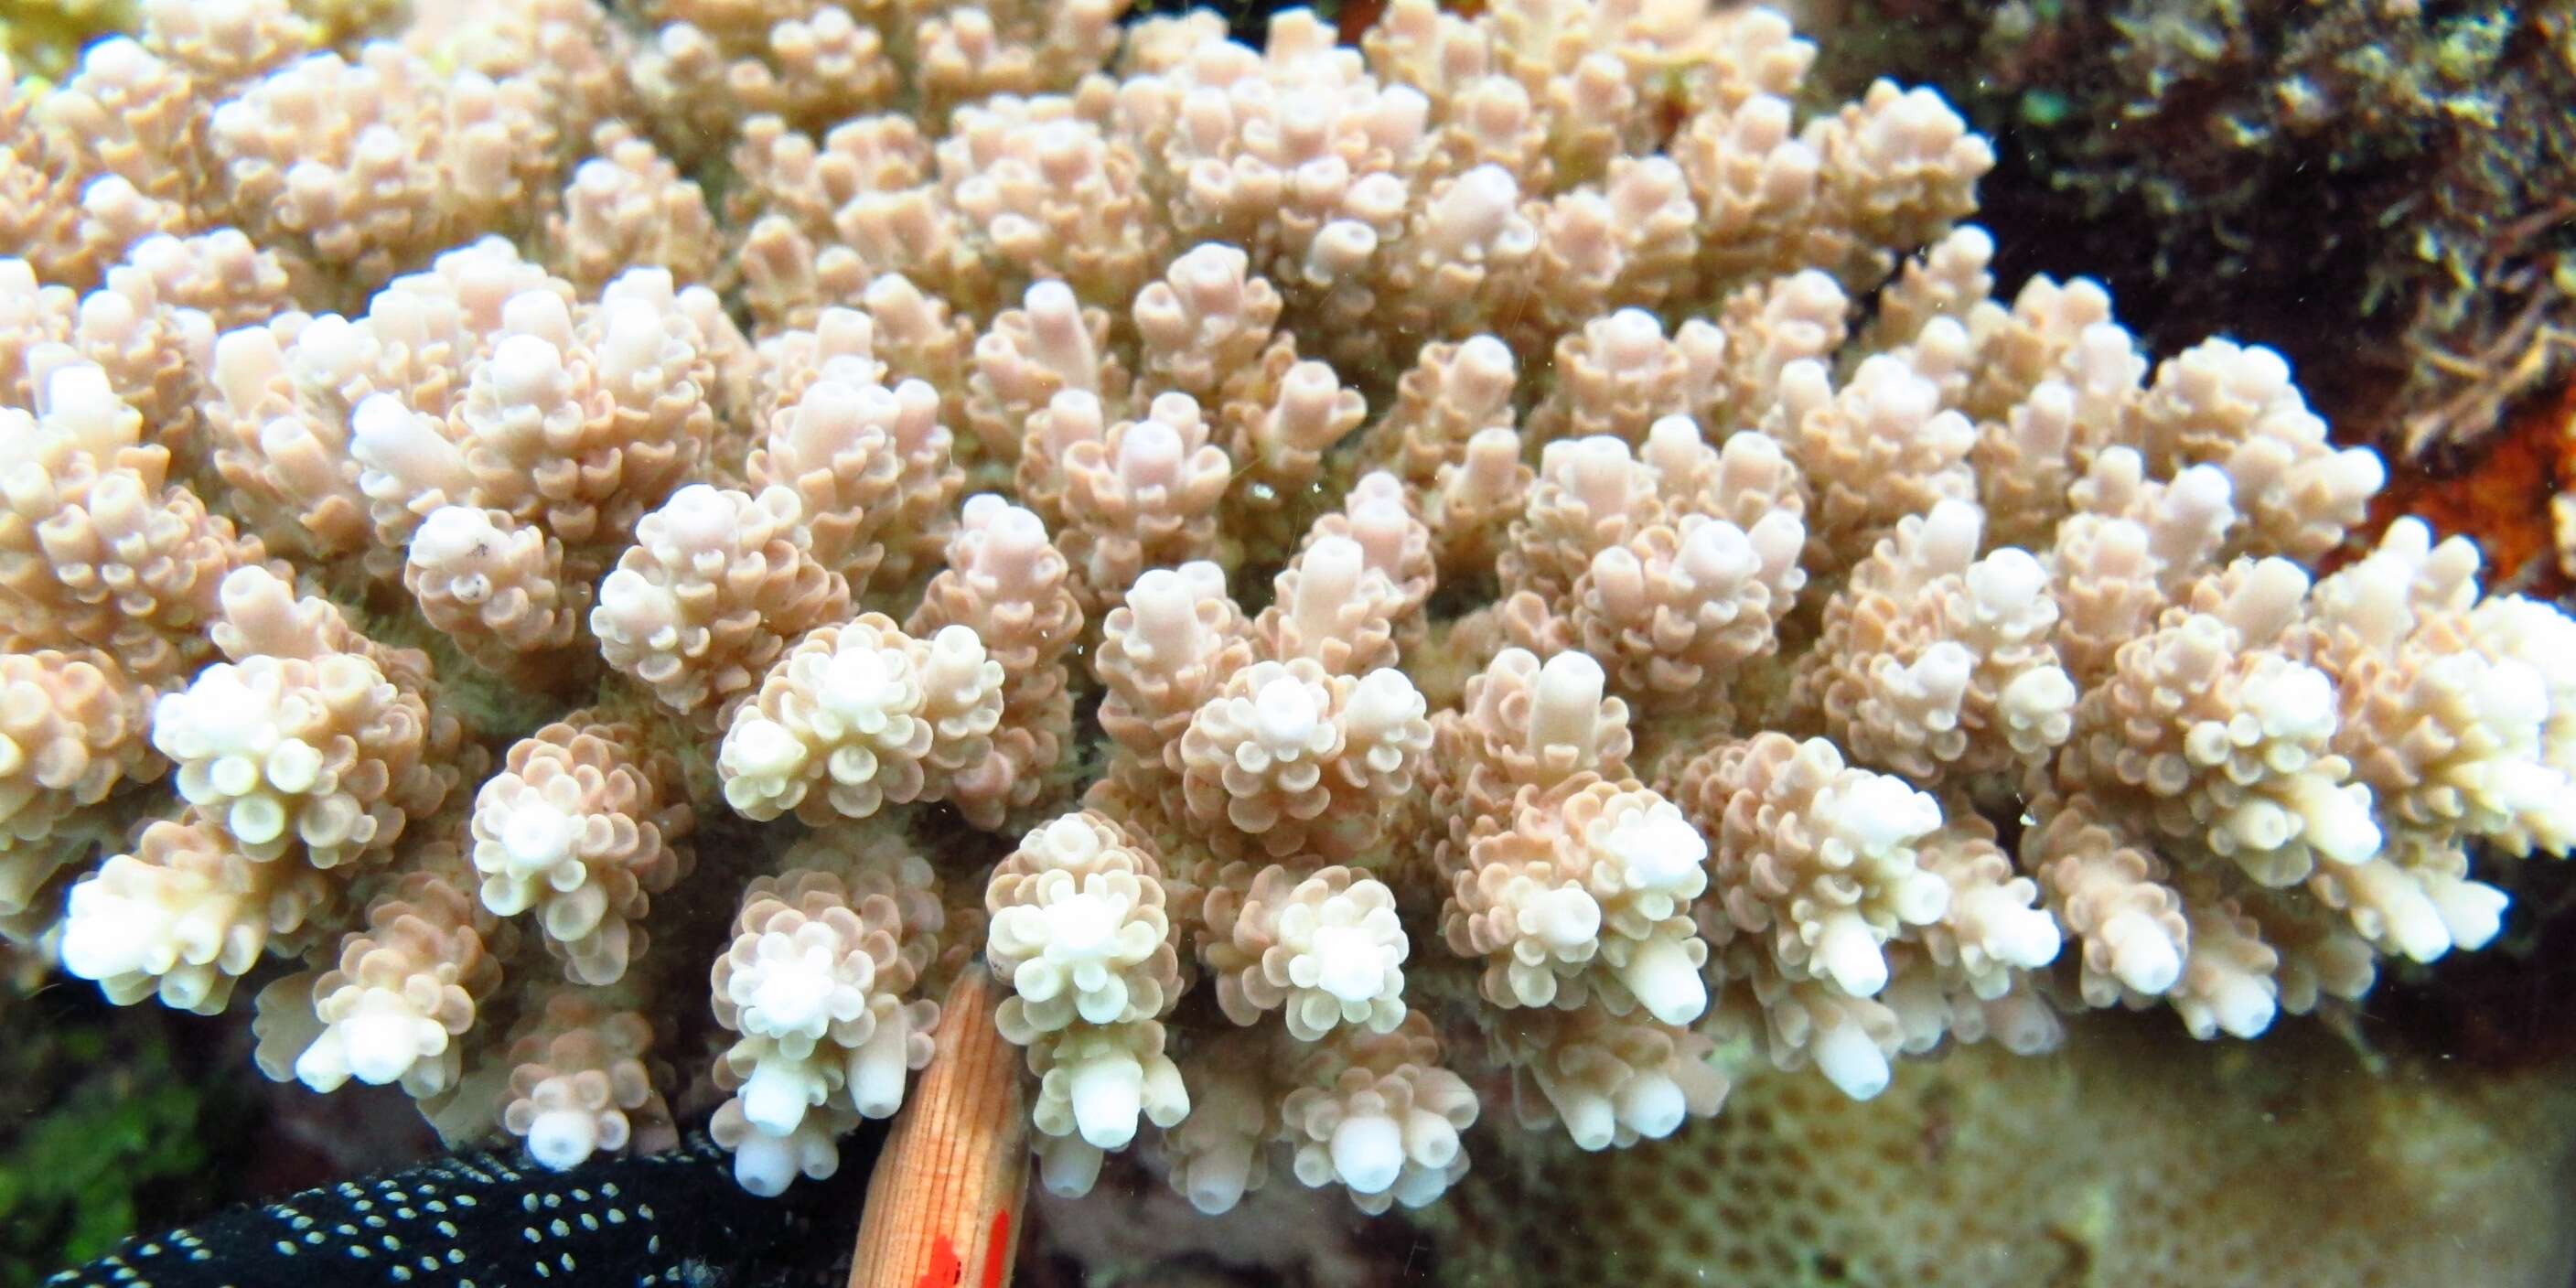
x=944 y=1203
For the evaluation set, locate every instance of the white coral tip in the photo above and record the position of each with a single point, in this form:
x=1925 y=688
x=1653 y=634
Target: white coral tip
x=1068 y=1168
x=757 y=747
x=2339 y=825
x=2006 y=582
x=2007 y=930
x=561 y=1138
x=2473 y=910
x=877 y=1068
x=2416 y=928
x=1167 y=1096
x=776 y=1095
x=1285 y=713
x=1660 y=973
x=2298 y=702
x=1880 y=812
x=1564 y=918
x=1847 y=953
x=1107 y=1094
x=1218 y=1178
x=792 y=996
x=536 y=836
x=1661 y=851
x=2143 y=957
x=764 y=1164
x=1920 y=898
x=451 y=533
x=324 y=1066
x=380 y=1044
x=1351 y=967
x=1430 y=1140
x=2026 y=938
x=1589 y=1118
x=2024 y=1024
x=1651 y=1105
x=1851 y=1061
x=1368 y=1152
x=2038 y=695
x=2240 y=1004
x=1566 y=703
x=1081 y=928
x=106 y=944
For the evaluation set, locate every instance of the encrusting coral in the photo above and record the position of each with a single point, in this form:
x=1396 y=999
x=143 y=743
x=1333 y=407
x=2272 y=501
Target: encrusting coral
x=1570 y=562
x=2202 y=1164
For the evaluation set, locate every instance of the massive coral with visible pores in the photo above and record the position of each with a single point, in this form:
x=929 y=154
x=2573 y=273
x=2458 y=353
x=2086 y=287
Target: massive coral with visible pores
x=1374 y=588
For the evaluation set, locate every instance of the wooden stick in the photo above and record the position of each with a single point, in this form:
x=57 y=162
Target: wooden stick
x=945 y=1200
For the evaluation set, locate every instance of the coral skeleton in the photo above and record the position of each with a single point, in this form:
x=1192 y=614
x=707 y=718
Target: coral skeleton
x=1463 y=578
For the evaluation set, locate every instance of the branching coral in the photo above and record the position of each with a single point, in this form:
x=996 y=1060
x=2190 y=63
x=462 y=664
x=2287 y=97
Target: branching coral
x=815 y=984
x=1460 y=572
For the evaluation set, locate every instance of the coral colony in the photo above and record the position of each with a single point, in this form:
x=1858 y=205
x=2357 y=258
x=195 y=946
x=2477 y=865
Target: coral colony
x=1467 y=577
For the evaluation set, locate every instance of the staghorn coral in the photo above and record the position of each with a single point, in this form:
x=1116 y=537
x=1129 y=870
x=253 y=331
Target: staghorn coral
x=1458 y=574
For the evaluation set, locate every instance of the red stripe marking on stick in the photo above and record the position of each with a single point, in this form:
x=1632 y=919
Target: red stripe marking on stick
x=945 y=1269
x=997 y=1249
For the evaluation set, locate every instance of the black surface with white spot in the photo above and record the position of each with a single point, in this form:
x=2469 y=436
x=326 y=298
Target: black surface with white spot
x=490 y=1220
